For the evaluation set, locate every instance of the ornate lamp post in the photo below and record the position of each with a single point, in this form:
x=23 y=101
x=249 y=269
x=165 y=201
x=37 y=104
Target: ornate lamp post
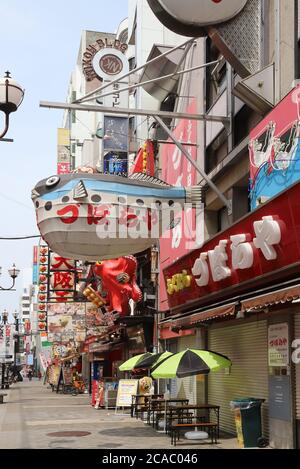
x=16 y=344
x=13 y=272
x=11 y=96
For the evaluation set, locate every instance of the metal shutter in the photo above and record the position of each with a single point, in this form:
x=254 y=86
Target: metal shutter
x=297 y=368
x=246 y=346
x=186 y=387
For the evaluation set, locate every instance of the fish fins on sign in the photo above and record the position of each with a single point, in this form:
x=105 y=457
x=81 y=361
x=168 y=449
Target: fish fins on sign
x=80 y=191
x=146 y=178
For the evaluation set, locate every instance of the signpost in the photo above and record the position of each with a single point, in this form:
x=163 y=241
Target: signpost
x=127 y=388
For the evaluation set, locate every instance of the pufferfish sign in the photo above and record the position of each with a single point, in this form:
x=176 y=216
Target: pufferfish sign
x=187 y=17
x=96 y=217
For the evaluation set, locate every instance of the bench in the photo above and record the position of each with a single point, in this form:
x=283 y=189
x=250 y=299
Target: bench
x=2 y=397
x=211 y=428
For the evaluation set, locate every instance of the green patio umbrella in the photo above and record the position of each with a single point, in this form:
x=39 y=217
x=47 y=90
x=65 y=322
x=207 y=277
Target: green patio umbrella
x=190 y=362
x=154 y=360
x=134 y=361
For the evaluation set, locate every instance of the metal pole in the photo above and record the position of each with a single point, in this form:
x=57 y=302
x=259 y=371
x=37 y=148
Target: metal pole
x=154 y=80
x=103 y=87
x=3 y=364
x=16 y=342
x=135 y=112
x=225 y=201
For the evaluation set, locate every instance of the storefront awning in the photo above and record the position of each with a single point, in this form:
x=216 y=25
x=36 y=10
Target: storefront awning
x=278 y=297
x=165 y=66
x=203 y=316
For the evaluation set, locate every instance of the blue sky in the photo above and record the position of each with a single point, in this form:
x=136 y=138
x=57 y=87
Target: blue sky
x=39 y=43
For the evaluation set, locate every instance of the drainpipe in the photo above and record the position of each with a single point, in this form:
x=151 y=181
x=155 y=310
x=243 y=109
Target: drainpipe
x=277 y=51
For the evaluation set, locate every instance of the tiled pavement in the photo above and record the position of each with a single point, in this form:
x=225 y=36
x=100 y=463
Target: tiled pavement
x=32 y=412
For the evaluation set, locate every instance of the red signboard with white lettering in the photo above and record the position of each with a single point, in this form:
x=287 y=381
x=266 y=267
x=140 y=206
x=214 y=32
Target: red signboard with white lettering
x=264 y=242
x=178 y=171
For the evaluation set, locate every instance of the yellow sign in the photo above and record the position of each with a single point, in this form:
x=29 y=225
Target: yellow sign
x=63 y=137
x=178 y=282
x=127 y=388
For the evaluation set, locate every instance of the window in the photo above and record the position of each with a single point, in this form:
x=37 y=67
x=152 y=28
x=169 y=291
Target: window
x=216 y=151
x=132 y=63
x=245 y=120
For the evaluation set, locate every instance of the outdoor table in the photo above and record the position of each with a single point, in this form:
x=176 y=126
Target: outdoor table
x=161 y=405
x=135 y=401
x=179 y=410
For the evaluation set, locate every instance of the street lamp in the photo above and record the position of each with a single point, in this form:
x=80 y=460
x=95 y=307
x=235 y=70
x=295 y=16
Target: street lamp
x=16 y=345
x=11 y=96
x=4 y=316
x=13 y=272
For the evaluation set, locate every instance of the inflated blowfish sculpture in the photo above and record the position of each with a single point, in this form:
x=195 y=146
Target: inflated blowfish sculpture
x=94 y=216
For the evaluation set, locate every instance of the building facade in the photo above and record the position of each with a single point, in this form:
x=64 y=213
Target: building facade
x=237 y=311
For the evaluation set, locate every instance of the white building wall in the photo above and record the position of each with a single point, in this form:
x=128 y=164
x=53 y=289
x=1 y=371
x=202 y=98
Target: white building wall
x=149 y=31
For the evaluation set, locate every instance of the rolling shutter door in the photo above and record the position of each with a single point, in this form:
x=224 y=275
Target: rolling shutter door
x=297 y=367
x=246 y=346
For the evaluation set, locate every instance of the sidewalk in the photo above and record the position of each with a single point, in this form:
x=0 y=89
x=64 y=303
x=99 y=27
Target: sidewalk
x=32 y=413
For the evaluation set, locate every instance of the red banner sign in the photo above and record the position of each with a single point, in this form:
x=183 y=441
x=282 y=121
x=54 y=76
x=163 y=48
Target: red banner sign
x=264 y=242
x=178 y=171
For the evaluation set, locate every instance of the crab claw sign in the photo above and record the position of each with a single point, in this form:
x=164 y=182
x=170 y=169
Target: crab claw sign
x=189 y=16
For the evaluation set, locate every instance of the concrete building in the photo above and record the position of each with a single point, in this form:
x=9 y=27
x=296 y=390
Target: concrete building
x=210 y=314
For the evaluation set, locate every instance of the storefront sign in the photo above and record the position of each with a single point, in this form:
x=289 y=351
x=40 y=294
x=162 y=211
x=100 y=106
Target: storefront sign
x=262 y=243
x=62 y=278
x=127 y=388
x=63 y=151
x=274 y=150
x=7 y=343
x=44 y=361
x=177 y=171
x=98 y=347
x=278 y=344
x=195 y=12
x=63 y=168
x=29 y=359
x=109 y=62
x=66 y=321
x=43 y=267
x=67 y=376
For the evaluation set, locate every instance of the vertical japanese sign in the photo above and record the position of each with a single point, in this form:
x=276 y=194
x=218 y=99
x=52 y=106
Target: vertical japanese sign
x=63 y=151
x=43 y=288
x=2 y=343
x=35 y=265
x=7 y=343
x=178 y=171
x=62 y=278
x=278 y=344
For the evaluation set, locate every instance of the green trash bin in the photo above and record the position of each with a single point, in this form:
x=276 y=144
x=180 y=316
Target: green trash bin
x=247 y=413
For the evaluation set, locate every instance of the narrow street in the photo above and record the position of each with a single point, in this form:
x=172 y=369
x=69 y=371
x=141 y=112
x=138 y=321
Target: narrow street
x=35 y=418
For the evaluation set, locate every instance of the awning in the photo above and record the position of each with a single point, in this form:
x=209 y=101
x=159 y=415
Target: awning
x=203 y=316
x=165 y=66
x=278 y=297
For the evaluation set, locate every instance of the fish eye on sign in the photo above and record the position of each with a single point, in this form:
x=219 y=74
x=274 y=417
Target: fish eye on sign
x=199 y=13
